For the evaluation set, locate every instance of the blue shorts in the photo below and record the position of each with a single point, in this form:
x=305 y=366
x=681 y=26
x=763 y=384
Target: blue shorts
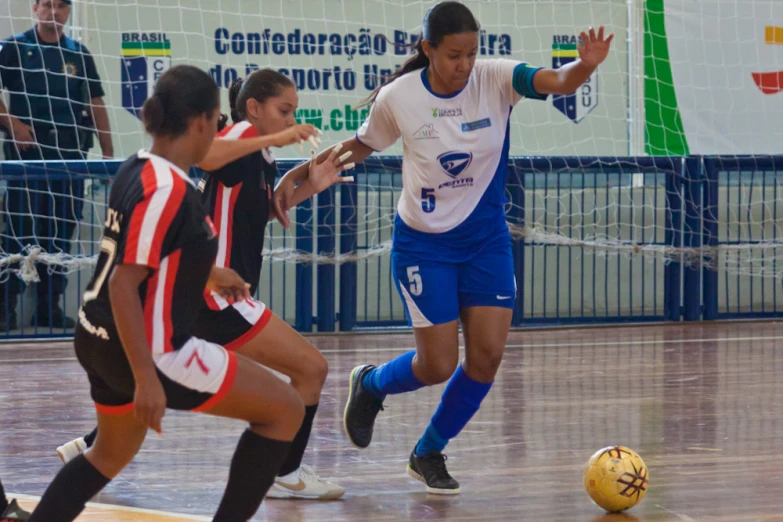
x=433 y=292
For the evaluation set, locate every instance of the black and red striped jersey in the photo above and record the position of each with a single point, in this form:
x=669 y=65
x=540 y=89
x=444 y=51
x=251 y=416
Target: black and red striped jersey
x=155 y=219
x=239 y=197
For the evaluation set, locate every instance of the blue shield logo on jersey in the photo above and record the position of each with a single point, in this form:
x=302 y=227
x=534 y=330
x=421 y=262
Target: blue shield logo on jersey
x=145 y=57
x=454 y=162
x=581 y=103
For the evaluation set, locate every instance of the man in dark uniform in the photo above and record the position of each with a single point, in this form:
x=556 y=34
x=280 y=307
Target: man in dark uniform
x=55 y=100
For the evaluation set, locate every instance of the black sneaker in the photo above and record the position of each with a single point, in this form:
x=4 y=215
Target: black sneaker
x=431 y=469
x=58 y=318
x=361 y=409
x=13 y=513
x=7 y=321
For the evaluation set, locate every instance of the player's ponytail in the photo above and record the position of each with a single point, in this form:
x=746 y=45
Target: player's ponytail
x=182 y=93
x=233 y=94
x=440 y=21
x=260 y=85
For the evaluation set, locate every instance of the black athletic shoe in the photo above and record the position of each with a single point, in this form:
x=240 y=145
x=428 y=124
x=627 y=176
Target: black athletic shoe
x=58 y=318
x=13 y=513
x=7 y=321
x=361 y=409
x=431 y=469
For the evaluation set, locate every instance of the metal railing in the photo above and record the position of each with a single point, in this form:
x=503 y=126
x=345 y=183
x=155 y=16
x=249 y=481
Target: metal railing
x=684 y=204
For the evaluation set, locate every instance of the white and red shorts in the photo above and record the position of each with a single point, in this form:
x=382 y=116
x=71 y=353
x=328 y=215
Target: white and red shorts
x=194 y=377
x=232 y=325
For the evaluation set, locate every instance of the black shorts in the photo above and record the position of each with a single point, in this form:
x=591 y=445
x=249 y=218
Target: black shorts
x=231 y=326
x=194 y=377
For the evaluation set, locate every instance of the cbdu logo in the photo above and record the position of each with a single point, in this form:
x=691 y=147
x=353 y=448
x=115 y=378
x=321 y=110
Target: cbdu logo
x=145 y=57
x=581 y=103
x=454 y=162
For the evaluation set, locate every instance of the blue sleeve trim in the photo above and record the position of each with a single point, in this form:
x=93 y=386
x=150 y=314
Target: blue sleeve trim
x=523 y=81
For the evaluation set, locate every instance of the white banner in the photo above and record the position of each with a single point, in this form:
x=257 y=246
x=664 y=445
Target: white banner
x=336 y=53
x=727 y=60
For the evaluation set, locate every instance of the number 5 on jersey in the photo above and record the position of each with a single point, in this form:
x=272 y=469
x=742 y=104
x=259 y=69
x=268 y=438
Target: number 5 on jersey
x=414 y=279
x=428 y=200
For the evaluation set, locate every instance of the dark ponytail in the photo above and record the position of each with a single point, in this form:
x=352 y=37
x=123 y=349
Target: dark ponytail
x=260 y=85
x=440 y=21
x=233 y=94
x=182 y=93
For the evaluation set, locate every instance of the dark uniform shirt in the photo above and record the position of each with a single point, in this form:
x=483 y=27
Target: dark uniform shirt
x=238 y=197
x=50 y=86
x=155 y=219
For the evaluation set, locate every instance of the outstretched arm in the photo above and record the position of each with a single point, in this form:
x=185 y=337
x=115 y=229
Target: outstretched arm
x=593 y=50
x=306 y=180
x=224 y=151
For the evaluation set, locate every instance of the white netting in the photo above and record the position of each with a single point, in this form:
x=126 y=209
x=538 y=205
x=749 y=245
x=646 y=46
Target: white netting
x=335 y=52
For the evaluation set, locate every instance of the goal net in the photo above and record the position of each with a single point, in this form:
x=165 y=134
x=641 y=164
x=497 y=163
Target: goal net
x=683 y=78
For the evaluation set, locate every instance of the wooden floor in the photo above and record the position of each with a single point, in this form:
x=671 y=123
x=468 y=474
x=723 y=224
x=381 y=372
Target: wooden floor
x=703 y=405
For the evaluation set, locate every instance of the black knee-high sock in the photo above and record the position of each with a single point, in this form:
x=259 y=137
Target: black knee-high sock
x=89 y=439
x=254 y=467
x=3 y=500
x=299 y=445
x=70 y=490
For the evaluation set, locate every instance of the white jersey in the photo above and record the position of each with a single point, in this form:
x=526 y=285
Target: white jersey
x=455 y=148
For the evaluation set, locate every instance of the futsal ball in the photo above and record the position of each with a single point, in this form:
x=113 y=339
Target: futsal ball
x=616 y=478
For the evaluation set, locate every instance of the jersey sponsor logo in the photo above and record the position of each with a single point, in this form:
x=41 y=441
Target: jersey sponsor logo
x=145 y=57
x=457 y=183
x=97 y=331
x=446 y=113
x=426 y=132
x=476 y=125
x=454 y=162
x=582 y=102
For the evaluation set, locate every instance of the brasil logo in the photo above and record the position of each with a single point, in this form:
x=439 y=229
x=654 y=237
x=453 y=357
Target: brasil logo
x=145 y=57
x=581 y=103
x=770 y=82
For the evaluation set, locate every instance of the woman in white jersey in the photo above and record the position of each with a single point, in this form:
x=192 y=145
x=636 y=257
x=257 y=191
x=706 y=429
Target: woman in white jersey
x=451 y=252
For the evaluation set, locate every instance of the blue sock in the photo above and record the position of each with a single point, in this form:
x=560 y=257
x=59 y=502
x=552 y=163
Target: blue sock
x=396 y=376
x=460 y=401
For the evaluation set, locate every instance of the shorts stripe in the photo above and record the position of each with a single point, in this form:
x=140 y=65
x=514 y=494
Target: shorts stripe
x=418 y=319
x=228 y=382
x=250 y=334
x=250 y=309
x=114 y=410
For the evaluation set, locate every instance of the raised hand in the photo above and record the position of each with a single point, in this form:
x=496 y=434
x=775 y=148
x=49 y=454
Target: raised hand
x=326 y=174
x=593 y=49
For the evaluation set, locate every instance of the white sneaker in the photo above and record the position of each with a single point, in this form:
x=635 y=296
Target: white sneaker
x=304 y=483
x=71 y=450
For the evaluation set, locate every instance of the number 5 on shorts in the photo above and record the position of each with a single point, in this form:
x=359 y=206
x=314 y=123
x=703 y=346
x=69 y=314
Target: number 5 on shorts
x=414 y=278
